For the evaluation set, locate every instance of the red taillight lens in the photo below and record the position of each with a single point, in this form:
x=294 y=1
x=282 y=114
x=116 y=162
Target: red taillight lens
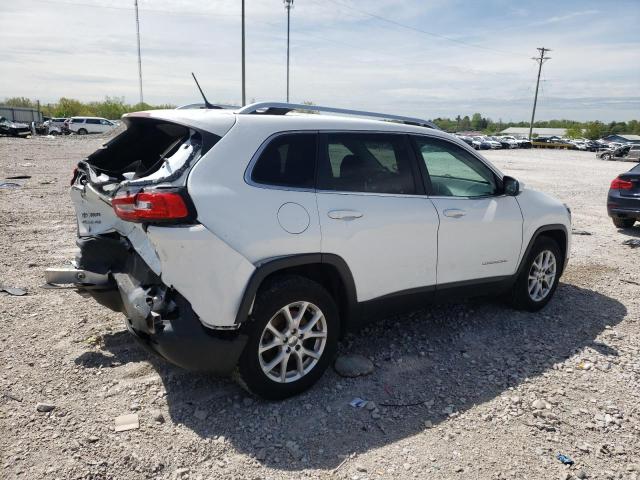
x=150 y=206
x=620 y=184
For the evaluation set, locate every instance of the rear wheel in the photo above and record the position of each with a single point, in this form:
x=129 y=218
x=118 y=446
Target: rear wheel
x=293 y=335
x=623 y=222
x=539 y=277
x=82 y=131
x=606 y=156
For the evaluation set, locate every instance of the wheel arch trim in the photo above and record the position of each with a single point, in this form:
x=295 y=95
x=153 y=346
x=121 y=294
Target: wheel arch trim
x=269 y=266
x=557 y=227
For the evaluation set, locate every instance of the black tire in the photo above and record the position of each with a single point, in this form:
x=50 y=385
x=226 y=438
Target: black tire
x=82 y=131
x=279 y=293
x=623 y=222
x=606 y=156
x=520 y=297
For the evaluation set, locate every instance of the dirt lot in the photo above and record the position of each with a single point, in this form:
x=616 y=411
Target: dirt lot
x=455 y=385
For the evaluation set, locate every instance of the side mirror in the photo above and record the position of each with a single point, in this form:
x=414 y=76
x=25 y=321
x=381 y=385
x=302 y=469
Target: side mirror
x=511 y=186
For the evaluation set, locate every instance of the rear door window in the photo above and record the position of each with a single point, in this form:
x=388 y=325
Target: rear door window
x=366 y=162
x=289 y=160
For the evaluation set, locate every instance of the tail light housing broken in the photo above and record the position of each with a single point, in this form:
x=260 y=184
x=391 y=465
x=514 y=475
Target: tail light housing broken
x=155 y=206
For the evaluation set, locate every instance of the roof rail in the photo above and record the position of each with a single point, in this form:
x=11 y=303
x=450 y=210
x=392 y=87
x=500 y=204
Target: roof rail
x=275 y=108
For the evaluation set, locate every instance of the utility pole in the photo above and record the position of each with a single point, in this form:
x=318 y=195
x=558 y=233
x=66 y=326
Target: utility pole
x=541 y=59
x=244 y=91
x=139 y=57
x=288 y=5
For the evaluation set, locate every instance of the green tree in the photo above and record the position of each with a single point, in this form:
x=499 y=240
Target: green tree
x=574 y=132
x=20 y=102
x=476 y=121
x=594 y=130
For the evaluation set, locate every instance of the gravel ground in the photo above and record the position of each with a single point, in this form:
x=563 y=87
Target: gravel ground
x=472 y=390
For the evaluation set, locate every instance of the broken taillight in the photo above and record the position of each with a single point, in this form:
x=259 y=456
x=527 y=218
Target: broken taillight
x=151 y=207
x=621 y=184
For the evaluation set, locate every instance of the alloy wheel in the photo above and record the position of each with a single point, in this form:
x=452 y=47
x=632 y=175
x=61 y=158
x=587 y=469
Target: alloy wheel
x=542 y=274
x=292 y=342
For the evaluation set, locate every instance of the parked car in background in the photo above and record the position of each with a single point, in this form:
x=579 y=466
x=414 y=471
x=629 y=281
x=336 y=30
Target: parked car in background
x=333 y=222
x=465 y=139
x=508 y=141
x=494 y=144
x=625 y=153
x=85 y=125
x=479 y=143
x=623 y=201
x=14 y=129
x=56 y=126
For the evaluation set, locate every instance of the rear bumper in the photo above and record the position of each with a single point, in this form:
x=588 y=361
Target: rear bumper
x=185 y=342
x=159 y=317
x=623 y=207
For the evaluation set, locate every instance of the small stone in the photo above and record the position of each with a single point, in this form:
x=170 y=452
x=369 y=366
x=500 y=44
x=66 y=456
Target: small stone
x=353 y=365
x=261 y=455
x=45 y=407
x=370 y=406
x=361 y=469
x=157 y=416
x=516 y=400
x=581 y=474
x=428 y=424
x=200 y=414
x=540 y=404
x=92 y=439
x=134 y=407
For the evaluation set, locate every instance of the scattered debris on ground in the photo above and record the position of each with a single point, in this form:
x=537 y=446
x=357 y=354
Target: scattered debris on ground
x=462 y=390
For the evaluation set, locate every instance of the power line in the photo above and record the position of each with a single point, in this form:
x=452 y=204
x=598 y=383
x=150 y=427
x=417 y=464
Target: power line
x=540 y=60
x=419 y=30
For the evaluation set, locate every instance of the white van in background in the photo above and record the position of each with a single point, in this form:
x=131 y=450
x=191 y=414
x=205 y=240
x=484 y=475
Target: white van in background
x=85 y=125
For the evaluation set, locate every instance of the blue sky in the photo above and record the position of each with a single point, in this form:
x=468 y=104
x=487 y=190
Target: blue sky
x=420 y=58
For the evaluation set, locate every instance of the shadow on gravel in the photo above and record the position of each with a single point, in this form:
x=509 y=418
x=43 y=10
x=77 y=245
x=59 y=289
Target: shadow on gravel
x=631 y=232
x=429 y=364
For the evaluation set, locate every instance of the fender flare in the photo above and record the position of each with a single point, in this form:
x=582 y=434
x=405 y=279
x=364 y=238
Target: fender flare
x=534 y=237
x=266 y=267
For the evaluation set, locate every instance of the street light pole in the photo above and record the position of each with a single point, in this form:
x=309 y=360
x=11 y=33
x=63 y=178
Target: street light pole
x=139 y=56
x=244 y=91
x=288 y=5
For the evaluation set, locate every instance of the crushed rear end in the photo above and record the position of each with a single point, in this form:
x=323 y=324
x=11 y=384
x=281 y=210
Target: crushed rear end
x=143 y=252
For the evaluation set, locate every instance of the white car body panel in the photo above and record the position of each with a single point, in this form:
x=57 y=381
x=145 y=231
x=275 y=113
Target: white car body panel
x=539 y=210
x=204 y=269
x=391 y=247
x=399 y=242
x=484 y=242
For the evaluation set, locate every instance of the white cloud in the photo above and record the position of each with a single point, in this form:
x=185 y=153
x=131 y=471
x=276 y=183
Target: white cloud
x=339 y=57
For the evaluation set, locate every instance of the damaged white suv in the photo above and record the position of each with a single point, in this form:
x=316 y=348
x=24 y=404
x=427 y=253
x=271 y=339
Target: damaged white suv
x=247 y=241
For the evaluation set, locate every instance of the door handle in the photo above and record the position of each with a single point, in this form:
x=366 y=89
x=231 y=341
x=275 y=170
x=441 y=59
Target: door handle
x=344 y=214
x=454 y=213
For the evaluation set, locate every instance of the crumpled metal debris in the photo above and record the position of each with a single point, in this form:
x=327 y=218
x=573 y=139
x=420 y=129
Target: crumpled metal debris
x=18 y=292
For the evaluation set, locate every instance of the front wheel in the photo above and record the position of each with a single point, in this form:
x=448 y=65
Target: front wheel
x=293 y=336
x=539 y=277
x=606 y=156
x=82 y=131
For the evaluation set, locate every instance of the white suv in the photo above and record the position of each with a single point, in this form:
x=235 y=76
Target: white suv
x=85 y=125
x=249 y=240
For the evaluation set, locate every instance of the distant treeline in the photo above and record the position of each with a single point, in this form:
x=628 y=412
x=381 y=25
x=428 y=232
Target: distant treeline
x=114 y=107
x=592 y=130
x=111 y=107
